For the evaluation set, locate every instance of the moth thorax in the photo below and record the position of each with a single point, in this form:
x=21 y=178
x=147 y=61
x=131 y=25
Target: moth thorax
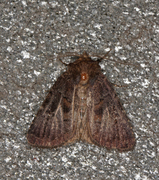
x=82 y=94
x=84 y=78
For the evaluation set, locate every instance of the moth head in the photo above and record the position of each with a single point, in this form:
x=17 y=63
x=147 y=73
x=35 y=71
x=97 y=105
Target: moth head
x=84 y=70
x=84 y=57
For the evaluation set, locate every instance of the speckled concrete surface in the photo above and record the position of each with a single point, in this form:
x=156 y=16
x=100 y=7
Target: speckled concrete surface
x=32 y=34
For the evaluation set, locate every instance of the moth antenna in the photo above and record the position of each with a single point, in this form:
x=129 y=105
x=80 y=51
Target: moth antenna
x=63 y=62
x=101 y=58
x=104 y=57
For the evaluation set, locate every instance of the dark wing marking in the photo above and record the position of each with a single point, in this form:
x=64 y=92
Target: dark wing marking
x=108 y=124
x=53 y=125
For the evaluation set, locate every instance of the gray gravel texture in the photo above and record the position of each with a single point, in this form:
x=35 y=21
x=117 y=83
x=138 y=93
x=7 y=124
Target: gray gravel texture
x=32 y=34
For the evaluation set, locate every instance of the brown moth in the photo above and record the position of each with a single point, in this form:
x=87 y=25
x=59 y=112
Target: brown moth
x=82 y=105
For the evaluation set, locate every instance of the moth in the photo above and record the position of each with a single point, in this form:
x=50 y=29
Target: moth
x=82 y=105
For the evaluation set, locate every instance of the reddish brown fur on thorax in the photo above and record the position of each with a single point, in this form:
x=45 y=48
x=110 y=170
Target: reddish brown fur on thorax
x=84 y=76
